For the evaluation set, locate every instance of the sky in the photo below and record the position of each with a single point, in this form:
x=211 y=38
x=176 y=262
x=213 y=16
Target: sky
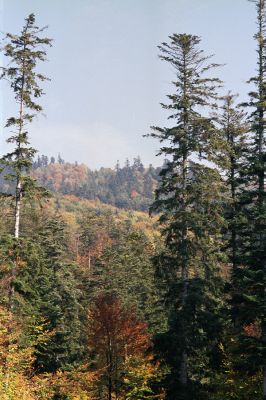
x=107 y=81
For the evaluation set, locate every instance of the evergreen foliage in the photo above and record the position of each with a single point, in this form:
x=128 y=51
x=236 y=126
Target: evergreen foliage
x=23 y=52
x=118 y=258
x=190 y=199
x=249 y=297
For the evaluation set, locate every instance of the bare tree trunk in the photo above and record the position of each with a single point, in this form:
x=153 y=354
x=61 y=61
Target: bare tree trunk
x=89 y=261
x=17 y=208
x=20 y=131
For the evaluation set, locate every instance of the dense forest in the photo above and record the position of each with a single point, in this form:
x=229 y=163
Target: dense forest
x=137 y=283
x=129 y=186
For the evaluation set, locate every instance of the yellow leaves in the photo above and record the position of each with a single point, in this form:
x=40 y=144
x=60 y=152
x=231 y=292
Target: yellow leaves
x=15 y=361
x=15 y=386
x=20 y=264
x=232 y=384
x=75 y=385
x=12 y=356
x=140 y=373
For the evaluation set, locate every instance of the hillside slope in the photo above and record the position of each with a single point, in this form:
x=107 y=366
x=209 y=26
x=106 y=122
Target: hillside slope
x=129 y=187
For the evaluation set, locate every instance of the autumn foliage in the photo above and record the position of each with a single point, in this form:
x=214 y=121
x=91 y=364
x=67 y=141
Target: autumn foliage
x=253 y=330
x=115 y=334
x=15 y=360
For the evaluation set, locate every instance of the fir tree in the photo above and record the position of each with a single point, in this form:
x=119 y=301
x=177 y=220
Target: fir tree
x=190 y=201
x=23 y=52
x=250 y=274
x=233 y=125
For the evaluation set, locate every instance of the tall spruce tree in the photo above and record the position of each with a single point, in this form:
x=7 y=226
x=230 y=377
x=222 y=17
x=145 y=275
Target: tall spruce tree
x=233 y=125
x=250 y=274
x=23 y=52
x=190 y=202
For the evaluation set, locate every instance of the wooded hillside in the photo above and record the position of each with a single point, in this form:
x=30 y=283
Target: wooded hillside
x=130 y=186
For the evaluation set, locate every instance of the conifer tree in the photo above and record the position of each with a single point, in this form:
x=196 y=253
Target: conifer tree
x=189 y=199
x=250 y=274
x=49 y=288
x=233 y=125
x=23 y=51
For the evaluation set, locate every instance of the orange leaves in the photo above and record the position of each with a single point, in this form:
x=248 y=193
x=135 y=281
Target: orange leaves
x=12 y=355
x=61 y=177
x=15 y=361
x=115 y=335
x=102 y=240
x=114 y=329
x=17 y=381
x=95 y=250
x=133 y=194
x=253 y=330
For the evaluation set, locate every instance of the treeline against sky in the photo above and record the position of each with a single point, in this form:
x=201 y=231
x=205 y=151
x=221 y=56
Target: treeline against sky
x=130 y=186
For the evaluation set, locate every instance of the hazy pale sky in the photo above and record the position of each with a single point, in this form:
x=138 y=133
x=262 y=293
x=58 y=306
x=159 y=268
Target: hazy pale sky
x=106 y=78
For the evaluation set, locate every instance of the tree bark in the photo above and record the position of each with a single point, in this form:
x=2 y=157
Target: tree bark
x=17 y=207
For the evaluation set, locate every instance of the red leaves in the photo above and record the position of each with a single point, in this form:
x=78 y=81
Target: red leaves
x=134 y=194
x=116 y=330
x=253 y=330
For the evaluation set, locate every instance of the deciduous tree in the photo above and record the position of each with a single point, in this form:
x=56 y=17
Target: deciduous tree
x=114 y=335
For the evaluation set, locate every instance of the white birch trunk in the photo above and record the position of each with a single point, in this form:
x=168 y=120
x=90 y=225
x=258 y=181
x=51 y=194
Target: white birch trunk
x=17 y=208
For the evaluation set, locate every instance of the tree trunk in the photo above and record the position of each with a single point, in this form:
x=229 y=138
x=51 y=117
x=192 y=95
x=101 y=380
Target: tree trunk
x=17 y=208
x=89 y=261
x=109 y=388
x=110 y=368
x=263 y=328
x=183 y=372
x=183 y=375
